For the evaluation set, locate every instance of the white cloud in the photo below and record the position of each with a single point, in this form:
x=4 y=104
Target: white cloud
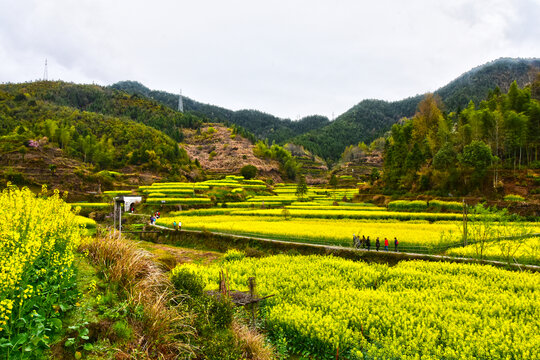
x=288 y=58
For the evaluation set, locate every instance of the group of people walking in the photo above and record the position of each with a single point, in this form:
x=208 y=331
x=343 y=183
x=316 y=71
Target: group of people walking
x=154 y=217
x=365 y=243
x=177 y=226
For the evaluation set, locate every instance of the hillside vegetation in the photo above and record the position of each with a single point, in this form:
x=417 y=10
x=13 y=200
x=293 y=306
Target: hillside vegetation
x=372 y=118
x=364 y=122
x=107 y=142
x=453 y=152
x=262 y=125
x=107 y=101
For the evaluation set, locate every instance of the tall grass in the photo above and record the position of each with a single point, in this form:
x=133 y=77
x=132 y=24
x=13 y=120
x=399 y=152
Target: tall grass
x=163 y=325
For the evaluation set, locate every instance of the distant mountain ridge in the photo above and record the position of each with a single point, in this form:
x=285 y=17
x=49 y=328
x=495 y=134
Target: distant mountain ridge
x=262 y=125
x=365 y=121
x=372 y=118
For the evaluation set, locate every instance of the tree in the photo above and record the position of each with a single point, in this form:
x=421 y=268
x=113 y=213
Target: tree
x=301 y=188
x=291 y=168
x=375 y=175
x=333 y=181
x=445 y=158
x=248 y=171
x=476 y=158
x=430 y=124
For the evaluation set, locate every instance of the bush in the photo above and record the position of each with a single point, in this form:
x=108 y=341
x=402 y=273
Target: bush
x=446 y=205
x=404 y=205
x=15 y=177
x=512 y=197
x=122 y=330
x=249 y=172
x=222 y=346
x=187 y=282
x=234 y=255
x=221 y=312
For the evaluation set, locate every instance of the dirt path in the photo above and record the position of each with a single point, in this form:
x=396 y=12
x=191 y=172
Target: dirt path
x=412 y=255
x=170 y=255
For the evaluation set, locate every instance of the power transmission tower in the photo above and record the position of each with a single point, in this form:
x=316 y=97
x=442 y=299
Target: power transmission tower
x=45 y=72
x=180 y=102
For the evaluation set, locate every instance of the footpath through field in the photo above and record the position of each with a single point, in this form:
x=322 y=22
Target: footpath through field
x=418 y=256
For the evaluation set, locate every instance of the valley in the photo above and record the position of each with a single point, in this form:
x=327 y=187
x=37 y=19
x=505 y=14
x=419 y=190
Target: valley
x=402 y=230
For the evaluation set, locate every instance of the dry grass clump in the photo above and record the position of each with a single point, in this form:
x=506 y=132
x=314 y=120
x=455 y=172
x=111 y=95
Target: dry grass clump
x=252 y=343
x=164 y=328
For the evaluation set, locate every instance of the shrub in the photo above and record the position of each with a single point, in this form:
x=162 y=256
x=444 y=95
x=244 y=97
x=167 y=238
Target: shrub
x=234 y=255
x=512 y=197
x=446 y=205
x=221 y=312
x=15 y=177
x=404 y=205
x=186 y=281
x=222 y=346
x=249 y=172
x=122 y=330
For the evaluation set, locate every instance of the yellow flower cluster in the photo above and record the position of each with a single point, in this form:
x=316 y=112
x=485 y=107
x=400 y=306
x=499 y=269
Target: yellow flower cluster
x=524 y=251
x=37 y=239
x=6 y=306
x=414 y=310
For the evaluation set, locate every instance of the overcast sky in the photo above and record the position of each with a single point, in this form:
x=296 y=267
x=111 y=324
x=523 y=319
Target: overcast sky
x=288 y=58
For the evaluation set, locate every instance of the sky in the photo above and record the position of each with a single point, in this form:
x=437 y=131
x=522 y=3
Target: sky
x=288 y=58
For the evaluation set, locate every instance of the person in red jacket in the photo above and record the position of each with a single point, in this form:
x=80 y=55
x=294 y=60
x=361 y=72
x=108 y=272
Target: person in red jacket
x=385 y=244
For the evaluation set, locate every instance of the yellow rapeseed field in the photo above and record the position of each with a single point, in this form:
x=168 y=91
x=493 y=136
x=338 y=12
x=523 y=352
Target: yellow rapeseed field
x=417 y=235
x=414 y=310
x=37 y=240
x=525 y=251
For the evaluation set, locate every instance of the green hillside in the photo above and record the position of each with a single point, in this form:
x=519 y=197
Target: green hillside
x=372 y=118
x=55 y=114
x=262 y=125
x=108 y=101
x=469 y=151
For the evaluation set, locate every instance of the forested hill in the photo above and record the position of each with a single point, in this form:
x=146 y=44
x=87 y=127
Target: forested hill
x=107 y=101
x=28 y=123
x=372 y=118
x=262 y=125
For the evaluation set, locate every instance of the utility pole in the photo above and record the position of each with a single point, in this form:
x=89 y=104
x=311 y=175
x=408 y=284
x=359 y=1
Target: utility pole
x=45 y=72
x=180 y=102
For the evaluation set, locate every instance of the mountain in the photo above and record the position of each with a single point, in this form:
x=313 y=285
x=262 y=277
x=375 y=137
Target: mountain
x=71 y=136
x=108 y=101
x=96 y=137
x=372 y=118
x=262 y=125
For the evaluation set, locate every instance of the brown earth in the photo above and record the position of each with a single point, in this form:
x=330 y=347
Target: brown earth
x=70 y=175
x=170 y=256
x=220 y=152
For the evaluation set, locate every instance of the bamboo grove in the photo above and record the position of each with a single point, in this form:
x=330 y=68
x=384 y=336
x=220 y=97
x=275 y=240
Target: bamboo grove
x=468 y=149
